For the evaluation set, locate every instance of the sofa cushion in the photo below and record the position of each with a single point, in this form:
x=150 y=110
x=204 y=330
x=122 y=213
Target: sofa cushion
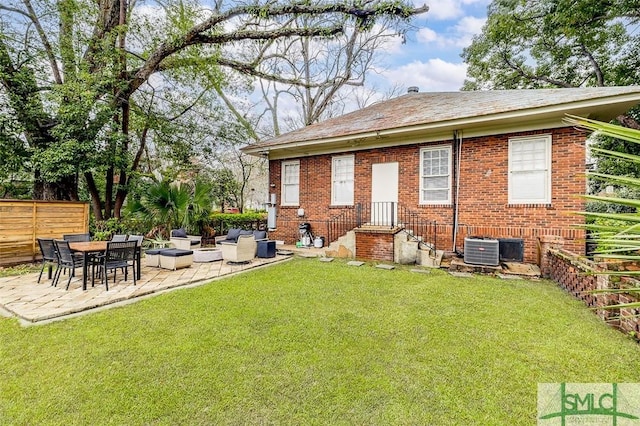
x=243 y=232
x=156 y=251
x=176 y=253
x=232 y=234
x=260 y=235
x=180 y=233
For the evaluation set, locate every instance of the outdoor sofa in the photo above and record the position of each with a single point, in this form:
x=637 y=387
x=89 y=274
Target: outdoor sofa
x=239 y=245
x=234 y=233
x=244 y=250
x=181 y=240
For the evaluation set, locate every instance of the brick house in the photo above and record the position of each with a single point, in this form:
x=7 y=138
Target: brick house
x=442 y=167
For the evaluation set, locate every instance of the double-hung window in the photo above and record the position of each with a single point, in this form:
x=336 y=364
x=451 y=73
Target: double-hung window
x=290 y=183
x=530 y=170
x=342 y=168
x=435 y=175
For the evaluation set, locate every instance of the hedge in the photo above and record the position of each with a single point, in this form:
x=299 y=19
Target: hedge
x=221 y=222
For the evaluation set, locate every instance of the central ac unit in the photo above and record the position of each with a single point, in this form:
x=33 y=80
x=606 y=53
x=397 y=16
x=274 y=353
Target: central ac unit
x=481 y=251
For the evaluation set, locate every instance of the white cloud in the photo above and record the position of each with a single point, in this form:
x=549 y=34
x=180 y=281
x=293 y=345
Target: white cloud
x=466 y=28
x=435 y=75
x=426 y=35
x=444 y=9
x=448 y=9
x=458 y=36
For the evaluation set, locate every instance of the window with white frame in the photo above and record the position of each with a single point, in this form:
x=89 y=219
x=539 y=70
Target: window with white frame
x=530 y=170
x=342 y=180
x=290 y=183
x=435 y=175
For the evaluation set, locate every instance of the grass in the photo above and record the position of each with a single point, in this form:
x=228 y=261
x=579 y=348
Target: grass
x=306 y=342
x=26 y=268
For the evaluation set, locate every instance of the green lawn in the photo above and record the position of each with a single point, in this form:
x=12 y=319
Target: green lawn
x=307 y=342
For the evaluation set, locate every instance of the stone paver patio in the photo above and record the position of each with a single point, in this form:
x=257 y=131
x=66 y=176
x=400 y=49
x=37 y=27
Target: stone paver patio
x=31 y=302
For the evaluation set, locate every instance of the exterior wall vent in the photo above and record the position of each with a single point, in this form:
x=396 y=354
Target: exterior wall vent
x=481 y=251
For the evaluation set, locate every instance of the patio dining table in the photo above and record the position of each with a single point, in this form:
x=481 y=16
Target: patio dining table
x=94 y=247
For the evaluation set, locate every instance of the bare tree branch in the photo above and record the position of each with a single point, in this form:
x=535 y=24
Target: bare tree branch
x=198 y=34
x=529 y=76
x=252 y=70
x=165 y=50
x=596 y=67
x=31 y=15
x=241 y=119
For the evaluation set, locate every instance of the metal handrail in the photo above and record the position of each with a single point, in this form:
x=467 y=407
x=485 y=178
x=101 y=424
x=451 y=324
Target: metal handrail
x=344 y=222
x=384 y=214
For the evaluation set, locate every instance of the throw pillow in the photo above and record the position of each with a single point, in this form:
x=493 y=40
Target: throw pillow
x=259 y=235
x=233 y=233
x=180 y=233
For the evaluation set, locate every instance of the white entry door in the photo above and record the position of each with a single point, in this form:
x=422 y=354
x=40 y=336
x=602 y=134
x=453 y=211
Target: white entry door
x=384 y=194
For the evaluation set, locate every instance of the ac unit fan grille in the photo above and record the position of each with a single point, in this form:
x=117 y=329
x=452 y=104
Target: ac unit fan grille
x=481 y=251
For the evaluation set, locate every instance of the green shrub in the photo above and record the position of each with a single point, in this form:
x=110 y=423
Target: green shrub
x=167 y=205
x=221 y=222
x=103 y=230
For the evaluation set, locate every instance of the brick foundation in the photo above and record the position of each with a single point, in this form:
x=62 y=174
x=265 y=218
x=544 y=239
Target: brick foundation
x=546 y=243
x=578 y=277
x=375 y=244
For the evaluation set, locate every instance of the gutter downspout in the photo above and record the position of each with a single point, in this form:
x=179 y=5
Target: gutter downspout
x=457 y=148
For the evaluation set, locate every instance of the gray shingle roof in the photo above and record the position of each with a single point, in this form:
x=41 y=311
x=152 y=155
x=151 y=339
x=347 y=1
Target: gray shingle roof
x=415 y=109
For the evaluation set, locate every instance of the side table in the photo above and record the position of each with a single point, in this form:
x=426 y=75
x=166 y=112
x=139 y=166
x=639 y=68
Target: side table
x=267 y=248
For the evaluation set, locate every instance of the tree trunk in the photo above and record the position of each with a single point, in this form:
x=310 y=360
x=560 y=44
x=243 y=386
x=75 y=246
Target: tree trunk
x=96 y=206
x=121 y=195
x=65 y=189
x=108 y=194
x=121 y=192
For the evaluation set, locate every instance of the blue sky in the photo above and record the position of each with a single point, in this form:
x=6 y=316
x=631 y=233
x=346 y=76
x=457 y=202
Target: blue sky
x=430 y=59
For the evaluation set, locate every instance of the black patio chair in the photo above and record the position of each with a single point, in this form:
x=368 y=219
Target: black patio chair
x=119 y=255
x=119 y=237
x=66 y=261
x=77 y=238
x=48 y=250
x=137 y=238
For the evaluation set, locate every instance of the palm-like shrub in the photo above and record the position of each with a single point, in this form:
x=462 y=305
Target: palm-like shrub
x=167 y=206
x=617 y=235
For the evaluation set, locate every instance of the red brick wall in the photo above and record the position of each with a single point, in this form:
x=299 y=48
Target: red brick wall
x=483 y=199
x=374 y=246
x=575 y=275
x=484 y=207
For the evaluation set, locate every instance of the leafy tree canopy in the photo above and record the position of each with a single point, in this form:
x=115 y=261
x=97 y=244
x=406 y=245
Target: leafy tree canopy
x=555 y=43
x=87 y=85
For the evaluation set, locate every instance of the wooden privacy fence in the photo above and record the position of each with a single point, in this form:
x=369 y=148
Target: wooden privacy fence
x=22 y=221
